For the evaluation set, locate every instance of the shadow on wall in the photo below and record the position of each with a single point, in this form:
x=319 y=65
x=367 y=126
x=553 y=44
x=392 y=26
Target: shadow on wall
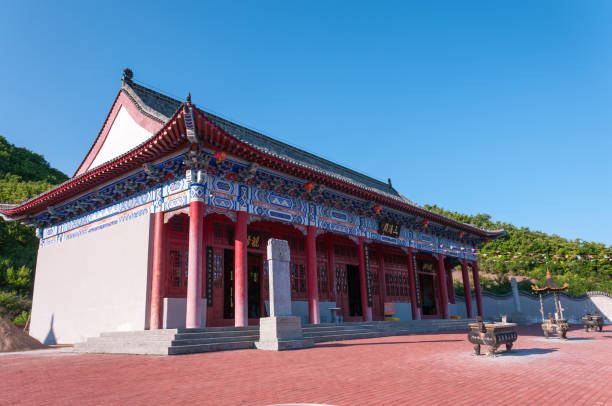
x=50 y=338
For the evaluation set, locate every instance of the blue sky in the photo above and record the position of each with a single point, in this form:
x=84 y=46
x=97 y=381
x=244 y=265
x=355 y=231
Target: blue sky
x=479 y=107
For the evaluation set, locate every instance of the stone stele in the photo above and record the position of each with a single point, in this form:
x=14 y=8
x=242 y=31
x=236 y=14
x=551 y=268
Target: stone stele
x=280 y=331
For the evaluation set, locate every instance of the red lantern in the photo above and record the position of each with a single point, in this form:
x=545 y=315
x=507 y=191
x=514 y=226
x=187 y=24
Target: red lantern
x=309 y=187
x=425 y=223
x=220 y=156
x=460 y=234
x=377 y=208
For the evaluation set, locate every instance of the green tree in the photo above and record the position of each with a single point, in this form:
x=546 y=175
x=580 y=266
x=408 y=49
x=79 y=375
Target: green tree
x=23 y=175
x=509 y=255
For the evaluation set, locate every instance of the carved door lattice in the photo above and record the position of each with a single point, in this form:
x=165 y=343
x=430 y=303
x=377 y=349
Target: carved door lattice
x=396 y=284
x=374 y=281
x=341 y=280
x=322 y=278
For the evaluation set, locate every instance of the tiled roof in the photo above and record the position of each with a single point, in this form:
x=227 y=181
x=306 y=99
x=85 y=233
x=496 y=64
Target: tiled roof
x=162 y=106
x=151 y=102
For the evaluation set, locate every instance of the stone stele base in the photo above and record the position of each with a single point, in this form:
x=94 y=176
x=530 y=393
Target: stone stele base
x=281 y=333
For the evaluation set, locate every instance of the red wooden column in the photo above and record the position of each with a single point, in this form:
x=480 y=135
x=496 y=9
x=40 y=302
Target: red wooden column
x=467 y=293
x=414 y=307
x=449 y=284
x=442 y=286
x=477 y=287
x=332 y=273
x=155 y=313
x=241 y=315
x=196 y=252
x=311 y=275
x=365 y=309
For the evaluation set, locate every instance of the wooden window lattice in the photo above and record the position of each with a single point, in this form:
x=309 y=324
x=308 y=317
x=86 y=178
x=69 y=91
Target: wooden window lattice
x=298 y=278
x=345 y=251
x=296 y=244
x=178 y=269
x=179 y=224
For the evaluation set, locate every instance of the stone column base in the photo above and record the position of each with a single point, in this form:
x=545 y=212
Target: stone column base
x=281 y=333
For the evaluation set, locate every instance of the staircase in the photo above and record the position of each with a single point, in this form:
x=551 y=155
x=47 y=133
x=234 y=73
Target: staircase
x=352 y=331
x=195 y=340
x=172 y=341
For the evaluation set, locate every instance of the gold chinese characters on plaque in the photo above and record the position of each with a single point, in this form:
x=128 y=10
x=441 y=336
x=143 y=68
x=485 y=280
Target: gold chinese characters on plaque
x=253 y=241
x=389 y=229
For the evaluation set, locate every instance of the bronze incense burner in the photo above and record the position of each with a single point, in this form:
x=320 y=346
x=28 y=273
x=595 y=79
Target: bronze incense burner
x=555 y=324
x=556 y=327
x=592 y=322
x=492 y=335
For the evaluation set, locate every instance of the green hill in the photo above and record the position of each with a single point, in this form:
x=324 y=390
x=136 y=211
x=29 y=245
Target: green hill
x=23 y=174
x=584 y=265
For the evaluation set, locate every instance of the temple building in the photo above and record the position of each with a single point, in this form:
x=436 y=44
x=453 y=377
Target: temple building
x=165 y=223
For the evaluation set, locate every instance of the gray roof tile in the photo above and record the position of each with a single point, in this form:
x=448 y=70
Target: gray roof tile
x=162 y=107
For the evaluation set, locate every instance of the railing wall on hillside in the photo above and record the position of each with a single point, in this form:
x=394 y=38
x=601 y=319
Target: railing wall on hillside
x=574 y=306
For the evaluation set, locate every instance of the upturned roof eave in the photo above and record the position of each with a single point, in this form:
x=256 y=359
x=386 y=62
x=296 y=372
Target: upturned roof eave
x=35 y=204
x=63 y=192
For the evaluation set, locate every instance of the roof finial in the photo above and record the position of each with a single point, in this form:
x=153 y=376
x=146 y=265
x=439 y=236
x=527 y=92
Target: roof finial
x=548 y=273
x=127 y=75
x=189 y=98
x=389 y=181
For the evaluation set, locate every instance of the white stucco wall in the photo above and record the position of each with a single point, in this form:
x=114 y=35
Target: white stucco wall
x=95 y=283
x=124 y=135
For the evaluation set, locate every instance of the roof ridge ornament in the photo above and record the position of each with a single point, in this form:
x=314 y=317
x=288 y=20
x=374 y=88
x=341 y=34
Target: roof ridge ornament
x=128 y=74
x=192 y=135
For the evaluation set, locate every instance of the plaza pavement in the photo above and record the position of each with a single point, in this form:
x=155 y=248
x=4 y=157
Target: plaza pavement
x=428 y=369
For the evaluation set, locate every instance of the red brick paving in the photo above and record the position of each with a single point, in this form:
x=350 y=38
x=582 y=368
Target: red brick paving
x=409 y=370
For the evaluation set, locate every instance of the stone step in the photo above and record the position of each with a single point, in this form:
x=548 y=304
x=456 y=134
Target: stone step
x=216 y=340
x=309 y=334
x=145 y=333
x=339 y=328
x=344 y=337
x=123 y=348
x=134 y=339
x=215 y=329
x=213 y=334
x=193 y=340
x=197 y=348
